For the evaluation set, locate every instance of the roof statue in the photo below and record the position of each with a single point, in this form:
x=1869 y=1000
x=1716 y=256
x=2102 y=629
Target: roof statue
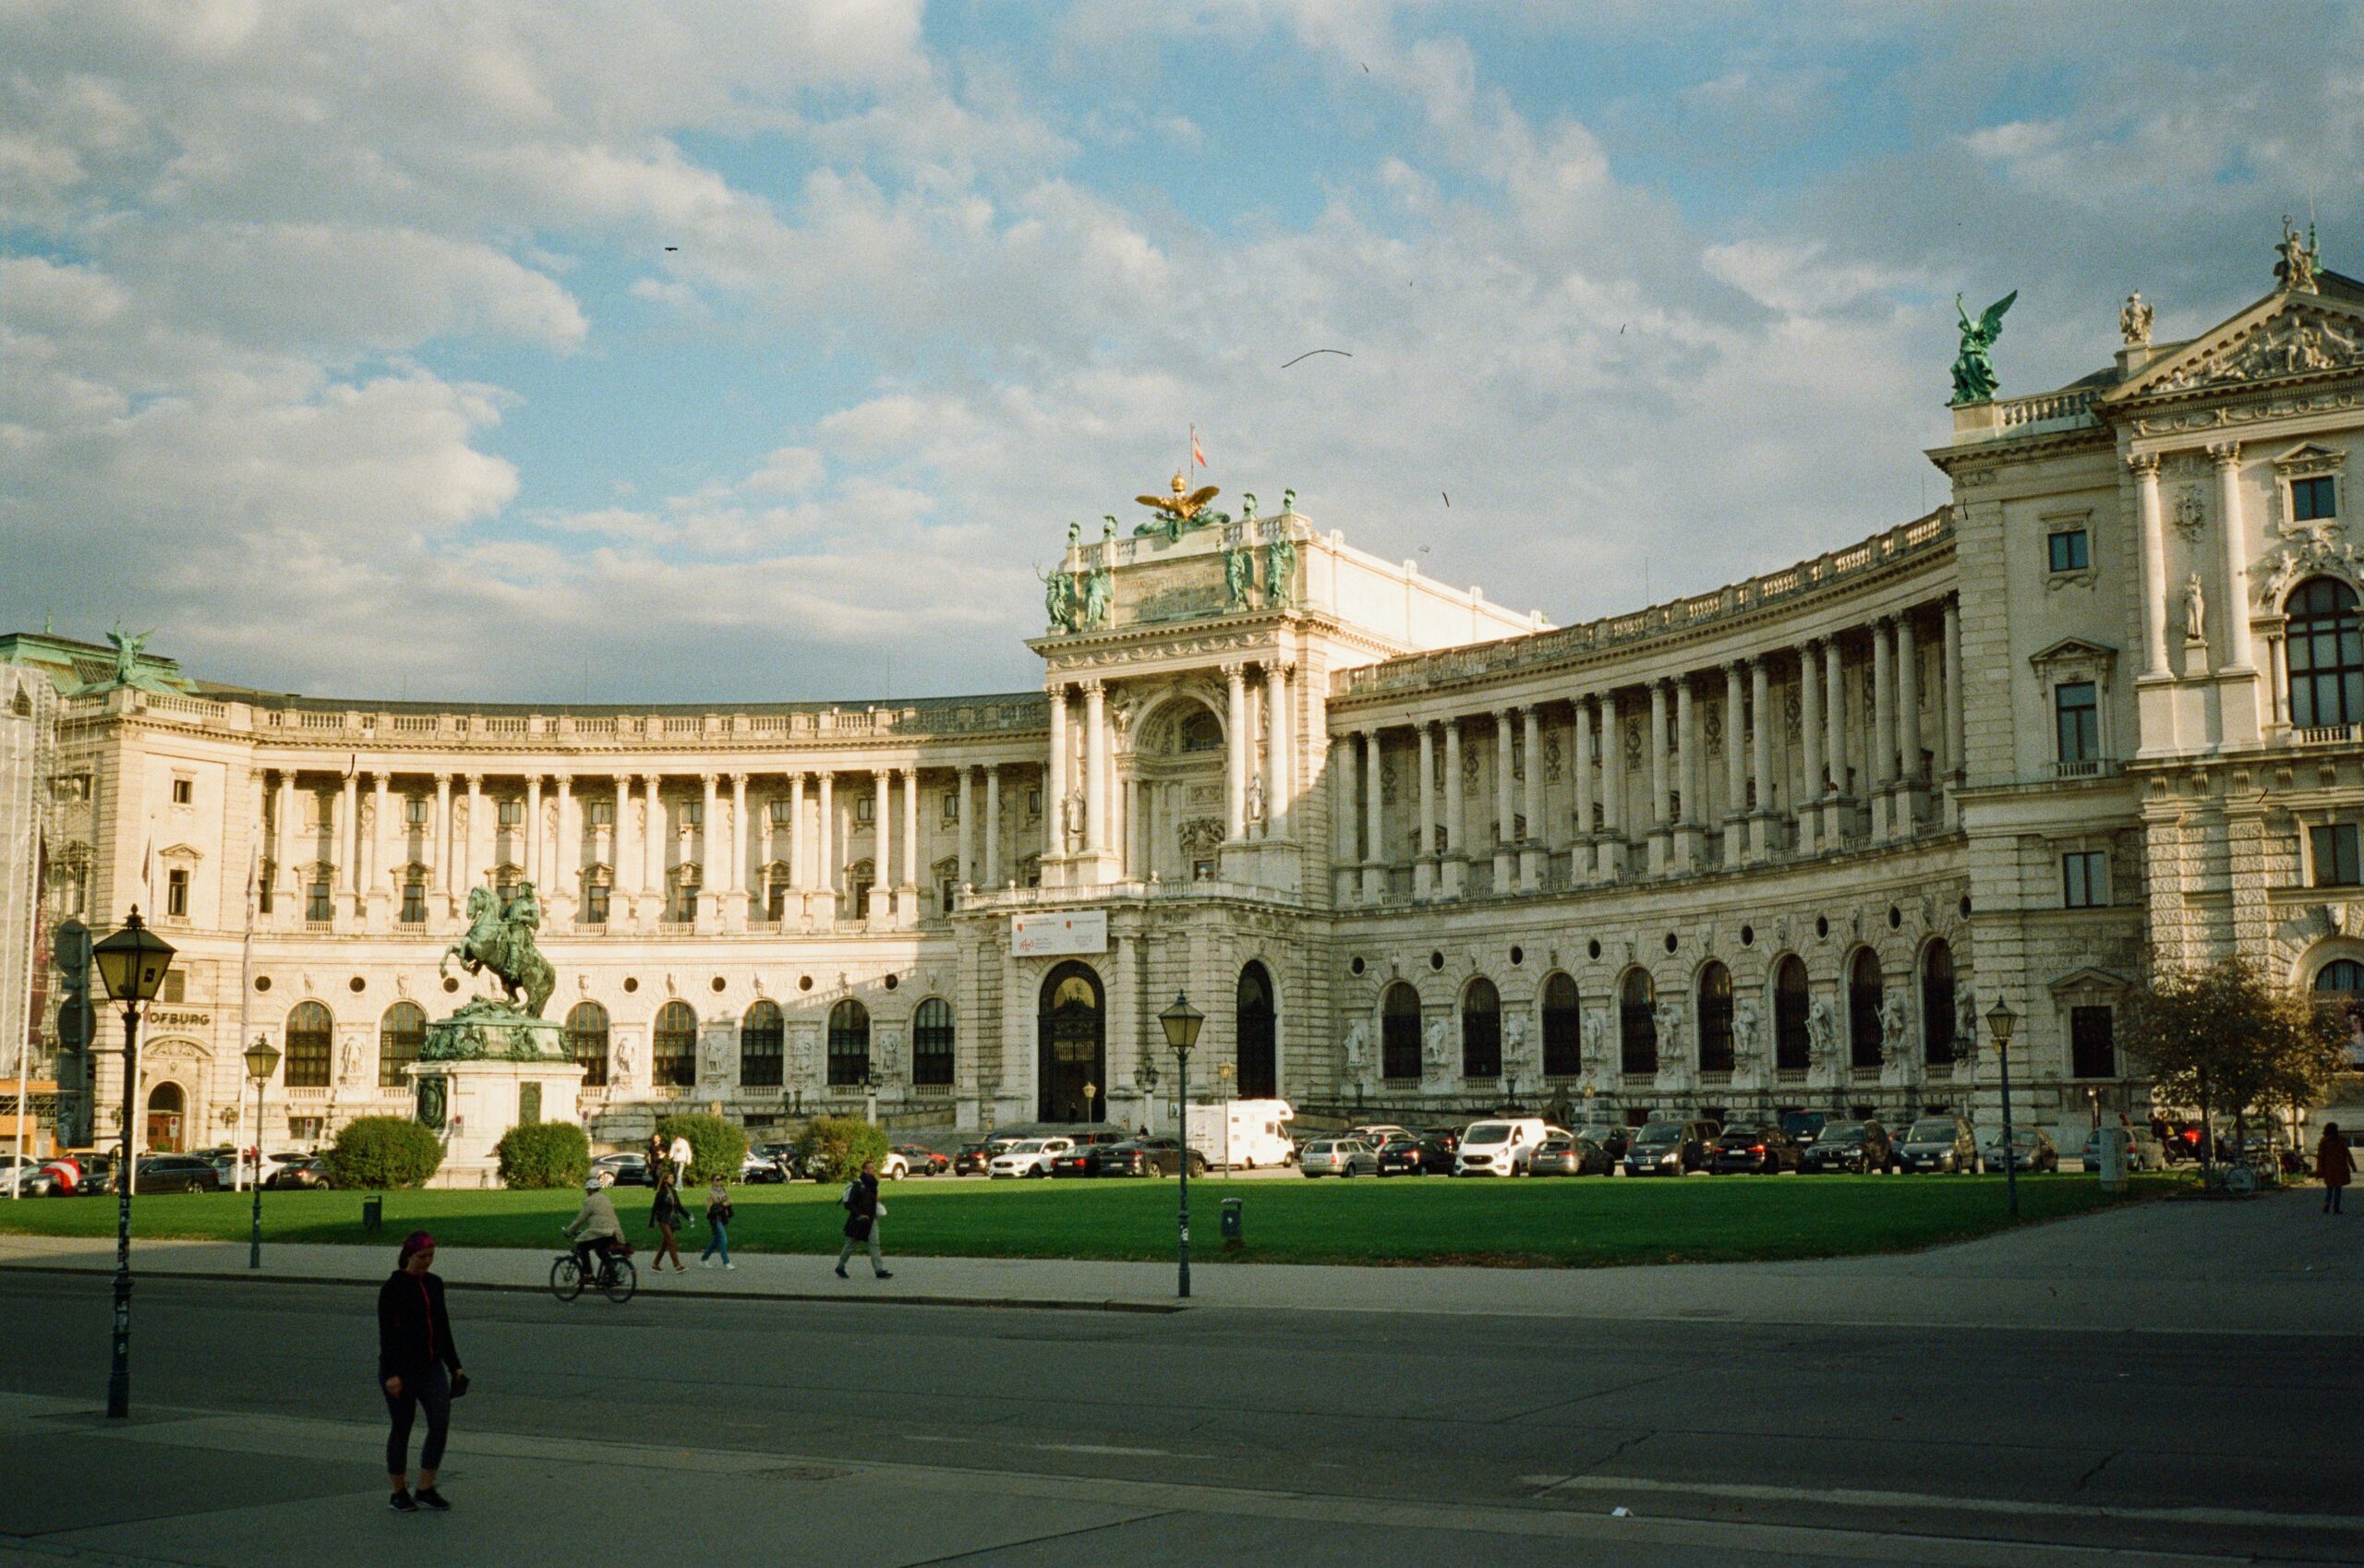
x=1973 y=371
x=2134 y=321
x=134 y=671
x=2295 y=269
x=1179 y=512
x=1060 y=601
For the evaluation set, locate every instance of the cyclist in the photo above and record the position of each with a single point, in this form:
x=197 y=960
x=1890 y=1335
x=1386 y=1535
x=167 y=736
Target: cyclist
x=596 y=1227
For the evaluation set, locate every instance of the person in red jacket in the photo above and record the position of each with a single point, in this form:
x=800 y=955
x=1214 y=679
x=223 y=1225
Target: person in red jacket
x=419 y=1367
x=2334 y=1167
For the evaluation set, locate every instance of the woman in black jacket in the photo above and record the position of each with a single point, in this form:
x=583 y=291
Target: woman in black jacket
x=418 y=1365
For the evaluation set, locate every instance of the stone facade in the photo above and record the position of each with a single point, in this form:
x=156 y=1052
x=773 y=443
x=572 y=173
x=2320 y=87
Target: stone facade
x=1777 y=845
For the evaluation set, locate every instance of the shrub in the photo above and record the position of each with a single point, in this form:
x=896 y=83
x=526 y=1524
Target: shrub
x=833 y=1148
x=718 y=1148
x=384 y=1152
x=544 y=1154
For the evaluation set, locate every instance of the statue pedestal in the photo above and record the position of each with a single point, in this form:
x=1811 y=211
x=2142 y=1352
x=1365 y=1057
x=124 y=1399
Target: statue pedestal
x=485 y=1069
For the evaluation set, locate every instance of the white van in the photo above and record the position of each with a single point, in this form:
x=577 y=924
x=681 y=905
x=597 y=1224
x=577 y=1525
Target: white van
x=1243 y=1133
x=1500 y=1147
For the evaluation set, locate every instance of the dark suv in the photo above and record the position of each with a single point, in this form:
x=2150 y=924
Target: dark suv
x=1859 y=1147
x=1671 y=1149
x=1764 y=1149
x=1938 y=1143
x=178 y=1173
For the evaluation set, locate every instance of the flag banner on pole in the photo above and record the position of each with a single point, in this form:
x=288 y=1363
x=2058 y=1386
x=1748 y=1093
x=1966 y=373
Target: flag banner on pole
x=1198 y=453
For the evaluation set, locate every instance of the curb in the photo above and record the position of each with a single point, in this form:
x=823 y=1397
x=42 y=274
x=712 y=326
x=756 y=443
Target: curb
x=1011 y=1303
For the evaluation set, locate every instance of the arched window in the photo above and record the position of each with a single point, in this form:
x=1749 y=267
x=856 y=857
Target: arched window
x=2340 y=984
x=400 y=1034
x=310 y=1036
x=1937 y=1003
x=586 y=1038
x=1792 y=1045
x=1256 y=1032
x=1481 y=1031
x=2327 y=649
x=849 y=1043
x=763 y=1042
x=1563 y=1028
x=1399 y=1023
x=1637 y=1023
x=932 y=1042
x=1715 y=1019
x=1865 y=995
x=673 y=1059
x=2340 y=975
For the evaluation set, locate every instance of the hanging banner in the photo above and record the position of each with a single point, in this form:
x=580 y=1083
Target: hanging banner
x=1058 y=935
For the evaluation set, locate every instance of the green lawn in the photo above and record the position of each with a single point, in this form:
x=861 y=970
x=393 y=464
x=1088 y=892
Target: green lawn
x=1557 y=1223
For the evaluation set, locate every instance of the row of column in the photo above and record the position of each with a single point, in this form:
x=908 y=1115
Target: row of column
x=2233 y=551
x=366 y=862
x=1823 y=796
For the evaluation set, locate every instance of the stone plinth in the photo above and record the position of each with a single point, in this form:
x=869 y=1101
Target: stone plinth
x=483 y=1071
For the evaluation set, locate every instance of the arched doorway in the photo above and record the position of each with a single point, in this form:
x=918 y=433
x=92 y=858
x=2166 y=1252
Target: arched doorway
x=1937 y=1003
x=1399 y=1032
x=1072 y=1058
x=167 y=1109
x=1866 y=994
x=1257 y=1022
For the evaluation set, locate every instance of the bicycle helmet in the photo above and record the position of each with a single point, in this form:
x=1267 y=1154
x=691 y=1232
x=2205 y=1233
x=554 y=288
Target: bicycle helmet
x=595 y=1181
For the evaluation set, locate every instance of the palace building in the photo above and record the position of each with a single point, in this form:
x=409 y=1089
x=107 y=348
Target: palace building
x=1777 y=845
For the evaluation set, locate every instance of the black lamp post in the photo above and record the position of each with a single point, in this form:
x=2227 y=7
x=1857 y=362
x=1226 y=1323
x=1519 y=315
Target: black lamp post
x=2000 y=1020
x=132 y=964
x=1181 y=1023
x=262 y=1060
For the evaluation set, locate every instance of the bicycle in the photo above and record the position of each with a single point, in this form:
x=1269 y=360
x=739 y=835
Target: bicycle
x=615 y=1278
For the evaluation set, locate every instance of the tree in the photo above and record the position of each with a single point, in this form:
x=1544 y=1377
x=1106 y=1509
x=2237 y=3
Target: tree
x=2230 y=1035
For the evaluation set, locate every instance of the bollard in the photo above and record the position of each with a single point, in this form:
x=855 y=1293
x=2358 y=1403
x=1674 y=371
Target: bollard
x=1231 y=1225
x=373 y=1211
x=2113 y=1161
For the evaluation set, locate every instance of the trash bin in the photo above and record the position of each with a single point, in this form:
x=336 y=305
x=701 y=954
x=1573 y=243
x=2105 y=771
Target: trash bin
x=1231 y=1223
x=2113 y=1161
x=373 y=1211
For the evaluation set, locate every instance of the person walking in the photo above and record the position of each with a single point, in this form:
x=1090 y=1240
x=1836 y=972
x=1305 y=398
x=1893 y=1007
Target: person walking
x=418 y=1367
x=656 y=1156
x=717 y=1223
x=863 y=1214
x=665 y=1216
x=2334 y=1167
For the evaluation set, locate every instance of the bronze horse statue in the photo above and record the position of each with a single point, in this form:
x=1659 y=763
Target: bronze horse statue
x=501 y=939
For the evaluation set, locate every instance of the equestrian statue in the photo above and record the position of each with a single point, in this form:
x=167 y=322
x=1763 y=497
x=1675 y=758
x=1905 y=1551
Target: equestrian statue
x=501 y=938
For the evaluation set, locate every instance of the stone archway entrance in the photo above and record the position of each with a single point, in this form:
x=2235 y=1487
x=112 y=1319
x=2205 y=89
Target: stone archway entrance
x=1072 y=1067
x=167 y=1113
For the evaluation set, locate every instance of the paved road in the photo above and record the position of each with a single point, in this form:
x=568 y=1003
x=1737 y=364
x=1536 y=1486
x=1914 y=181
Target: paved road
x=790 y=1431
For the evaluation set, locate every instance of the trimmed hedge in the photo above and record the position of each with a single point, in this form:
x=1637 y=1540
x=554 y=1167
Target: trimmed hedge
x=544 y=1154
x=717 y=1147
x=384 y=1152
x=833 y=1148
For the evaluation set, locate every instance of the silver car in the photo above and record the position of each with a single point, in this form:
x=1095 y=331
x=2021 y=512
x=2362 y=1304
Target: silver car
x=1339 y=1157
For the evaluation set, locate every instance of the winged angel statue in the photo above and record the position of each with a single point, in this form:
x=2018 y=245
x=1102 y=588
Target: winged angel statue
x=1179 y=512
x=1973 y=372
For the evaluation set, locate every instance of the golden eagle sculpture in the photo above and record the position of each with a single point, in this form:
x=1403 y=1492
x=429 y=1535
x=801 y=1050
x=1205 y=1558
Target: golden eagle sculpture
x=1178 y=511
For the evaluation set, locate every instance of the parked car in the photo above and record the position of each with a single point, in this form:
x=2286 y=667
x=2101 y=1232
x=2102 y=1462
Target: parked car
x=2180 y=1142
x=2143 y=1151
x=1859 y=1147
x=1407 y=1156
x=178 y=1173
x=26 y=1180
x=924 y=1161
x=1938 y=1143
x=970 y=1159
x=1157 y=1155
x=1805 y=1126
x=1763 y=1150
x=1568 y=1154
x=80 y=1174
x=2031 y=1150
x=1376 y=1134
x=299 y=1174
x=1445 y=1138
x=1611 y=1136
x=1029 y=1157
x=1339 y=1157
x=1080 y=1160
x=773 y=1163
x=1670 y=1148
x=625 y=1170
x=1500 y=1146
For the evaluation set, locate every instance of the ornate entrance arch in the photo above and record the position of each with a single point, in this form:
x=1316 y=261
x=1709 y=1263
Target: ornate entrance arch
x=167 y=1119
x=1071 y=1071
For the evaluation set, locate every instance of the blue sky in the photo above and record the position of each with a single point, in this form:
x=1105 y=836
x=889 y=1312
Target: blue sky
x=358 y=324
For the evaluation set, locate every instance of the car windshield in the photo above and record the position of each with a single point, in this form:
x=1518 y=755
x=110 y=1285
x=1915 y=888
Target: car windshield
x=1845 y=1132
x=1489 y=1132
x=1660 y=1132
x=1553 y=1146
x=1935 y=1131
x=1743 y=1134
x=1028 y=1147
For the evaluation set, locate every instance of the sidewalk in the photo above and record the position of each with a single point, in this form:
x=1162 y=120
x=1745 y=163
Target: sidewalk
x=2274 y=1265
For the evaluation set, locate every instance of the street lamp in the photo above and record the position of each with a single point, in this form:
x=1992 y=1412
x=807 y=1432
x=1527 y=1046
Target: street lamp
x=132 y=964
x=2001 y=1021
x=1181 y=1023
x=262 y=1060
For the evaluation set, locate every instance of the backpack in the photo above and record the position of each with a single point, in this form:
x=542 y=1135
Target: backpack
x=853 y=1186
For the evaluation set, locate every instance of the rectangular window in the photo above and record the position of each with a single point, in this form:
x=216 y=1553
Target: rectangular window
x=865 y=808
x=603 y=813
x=262 y=888
x=415 y=811
x=413 y=904
x=2093 y=1043
x=2312 y=499
x=317 y=906
x=183 y=791
x=780 y=810
x=947 y=895
x=2084 y=879
x=1034 y=802
x=685 y=904
x=594 y=904
x=952 y=805
x=2069 y=549
x=513 y=812
x=776 y=901
x=176 y=987
x=2336 y=853
x=177 y=894
x=2077 y=714
x=694 y=811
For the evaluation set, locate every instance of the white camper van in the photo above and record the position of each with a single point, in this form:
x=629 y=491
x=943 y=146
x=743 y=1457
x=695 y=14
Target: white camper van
x=1243 y=1133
